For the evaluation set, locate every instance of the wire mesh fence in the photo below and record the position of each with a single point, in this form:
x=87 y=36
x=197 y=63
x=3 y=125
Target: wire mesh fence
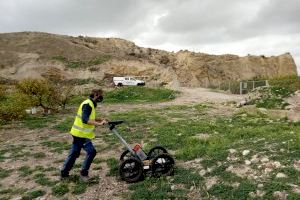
x=233 y=87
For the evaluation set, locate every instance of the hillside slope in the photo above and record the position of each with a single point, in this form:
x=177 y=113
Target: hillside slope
x=33 y=54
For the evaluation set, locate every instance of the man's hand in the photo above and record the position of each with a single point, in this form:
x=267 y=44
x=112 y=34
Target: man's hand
x=98 y=122
x=103 y=122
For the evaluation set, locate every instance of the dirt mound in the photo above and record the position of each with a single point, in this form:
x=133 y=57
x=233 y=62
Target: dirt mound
x=30 y=54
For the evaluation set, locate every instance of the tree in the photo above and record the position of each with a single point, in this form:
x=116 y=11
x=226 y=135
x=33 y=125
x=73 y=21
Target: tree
x=63 y=95
x=39 y=91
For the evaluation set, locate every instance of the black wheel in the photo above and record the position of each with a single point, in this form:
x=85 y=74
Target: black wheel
x=120 y=84
x=162 y=164
x=125 y=155
x=155 y=151
x=131 y=170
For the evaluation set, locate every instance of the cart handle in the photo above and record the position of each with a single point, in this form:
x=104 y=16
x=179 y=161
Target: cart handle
x=112 y=124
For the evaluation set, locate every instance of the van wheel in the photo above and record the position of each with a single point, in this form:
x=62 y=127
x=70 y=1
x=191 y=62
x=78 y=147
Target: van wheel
x=120 y=84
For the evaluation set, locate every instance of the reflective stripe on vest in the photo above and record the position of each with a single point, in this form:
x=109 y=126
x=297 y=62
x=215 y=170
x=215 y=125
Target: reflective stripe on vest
x=88 y=130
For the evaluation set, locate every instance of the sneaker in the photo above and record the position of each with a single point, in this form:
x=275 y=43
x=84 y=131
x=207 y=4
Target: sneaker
x=84 y=178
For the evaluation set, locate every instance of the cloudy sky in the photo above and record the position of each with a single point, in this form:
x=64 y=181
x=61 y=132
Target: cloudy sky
x=258 y=27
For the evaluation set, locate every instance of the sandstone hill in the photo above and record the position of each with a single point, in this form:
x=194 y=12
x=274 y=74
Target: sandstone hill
x=34 y=54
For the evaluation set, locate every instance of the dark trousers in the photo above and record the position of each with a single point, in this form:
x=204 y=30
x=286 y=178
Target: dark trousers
x=78 y=144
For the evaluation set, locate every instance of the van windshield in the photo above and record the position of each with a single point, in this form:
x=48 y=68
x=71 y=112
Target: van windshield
x=132 y=79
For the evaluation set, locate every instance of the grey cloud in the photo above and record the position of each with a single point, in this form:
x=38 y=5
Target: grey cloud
x=192 y=24
x=71 y=16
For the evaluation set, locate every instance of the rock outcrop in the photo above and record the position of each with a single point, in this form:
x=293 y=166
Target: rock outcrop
x=31 y=54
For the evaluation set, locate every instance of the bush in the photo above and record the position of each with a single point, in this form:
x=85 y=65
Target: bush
x=13 y=107
x=136 y=94
x=82 y=63
x=290 y=83
x=269 y=97
x=46 y=94
x=39 y=91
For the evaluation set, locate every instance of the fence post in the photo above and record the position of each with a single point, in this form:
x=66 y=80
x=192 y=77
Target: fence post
x=241 y=85
x=267 y=83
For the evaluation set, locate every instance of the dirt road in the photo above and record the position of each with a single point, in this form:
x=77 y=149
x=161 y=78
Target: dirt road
x=188 y=96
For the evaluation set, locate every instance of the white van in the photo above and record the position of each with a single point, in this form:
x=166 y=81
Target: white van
x=120 y=81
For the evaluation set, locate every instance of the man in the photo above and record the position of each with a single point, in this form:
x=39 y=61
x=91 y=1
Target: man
x=83 y=132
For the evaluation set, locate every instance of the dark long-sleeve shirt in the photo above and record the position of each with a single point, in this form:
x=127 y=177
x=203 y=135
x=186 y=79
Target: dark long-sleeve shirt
x=86 y=111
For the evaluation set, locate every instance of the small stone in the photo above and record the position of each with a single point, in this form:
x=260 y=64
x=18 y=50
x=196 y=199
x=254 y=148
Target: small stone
x=265 y=160
x=259 y=167
x=192 y=188
x=268 y=170
x=236 y=185
x=260 y=193
x=281 y=175
x=247 y=162
x=229 y=168
x=173 y=187
x=260 y=185
x=246 y=152
x=202 y=172
x=232 y=151
x=280 y=195
x=198 y=160
x=254 y=159
x=277 y=164
x=252 y=195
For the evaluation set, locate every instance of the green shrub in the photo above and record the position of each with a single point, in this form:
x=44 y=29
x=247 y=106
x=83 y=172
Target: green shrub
x=60 y=189
x=39 y=91
x=46 y=94
x=12 y=107
x=139 y=95
x=34 y=194
x=82 y=63
x=270 y=97
x=291 y=83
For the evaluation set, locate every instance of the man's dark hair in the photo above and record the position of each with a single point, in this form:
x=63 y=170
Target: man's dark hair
x=96 y=92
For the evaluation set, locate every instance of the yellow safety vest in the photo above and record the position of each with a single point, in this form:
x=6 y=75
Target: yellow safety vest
x=80 y=129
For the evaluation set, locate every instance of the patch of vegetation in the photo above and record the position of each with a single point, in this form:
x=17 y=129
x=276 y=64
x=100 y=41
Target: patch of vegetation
x=12 y=107
x=290 y=83
x=60 y=189
x=187 y=177
x=113 y=165
x=56 y=146
x=33 y=194
x=151 y=188
x=37 y=122
x=4 y=172
x=83 y=81
x=13 y=191
x=78 y=187
x=41 y=179
x=269 y=97
x=139 y=95
x=82 y=63
x=39 y=155
x=25 y=171
x=65 y=125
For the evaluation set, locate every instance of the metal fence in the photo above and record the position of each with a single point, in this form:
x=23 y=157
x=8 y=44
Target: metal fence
x=234 y=87
x=247 y=86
